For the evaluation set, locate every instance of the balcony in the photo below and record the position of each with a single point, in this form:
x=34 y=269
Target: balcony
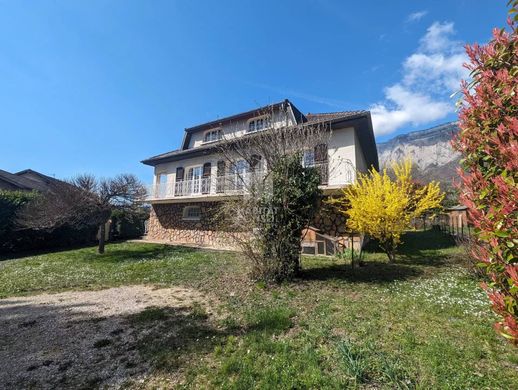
x=204 y=186
x=232 y=184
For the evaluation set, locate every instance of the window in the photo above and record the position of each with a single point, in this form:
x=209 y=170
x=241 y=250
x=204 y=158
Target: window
x=192 y=213
x=212 y=135
x=160 y=190
x=257 y=124
x=237 y=174
x=308 y=159
x=194 y=179
x=161 y=178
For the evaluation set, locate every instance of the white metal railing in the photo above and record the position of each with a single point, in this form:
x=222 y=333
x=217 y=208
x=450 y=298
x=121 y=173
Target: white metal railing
x=231 y=184
x=323 y=170
x=227 y=184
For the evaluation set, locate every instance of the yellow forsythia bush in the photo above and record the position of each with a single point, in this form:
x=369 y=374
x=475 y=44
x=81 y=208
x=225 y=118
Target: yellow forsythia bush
x=383 y=208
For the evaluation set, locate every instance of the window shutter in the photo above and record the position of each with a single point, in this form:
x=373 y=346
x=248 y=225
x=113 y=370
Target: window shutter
x=221 y=168
x=255 y=163
x=206 y=169
x=220 y=181
x=179 y=173
x=321 y=163
x=320 y=153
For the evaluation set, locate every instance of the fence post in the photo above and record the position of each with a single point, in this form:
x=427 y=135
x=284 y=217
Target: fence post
x=351 y=239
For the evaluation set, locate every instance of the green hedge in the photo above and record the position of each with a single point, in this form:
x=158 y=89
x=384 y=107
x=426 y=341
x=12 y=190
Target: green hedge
x=10 y=203
x=128 y=224
x=13 y=238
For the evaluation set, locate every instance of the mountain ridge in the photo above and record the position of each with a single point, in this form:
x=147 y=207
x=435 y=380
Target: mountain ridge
x=430 y=150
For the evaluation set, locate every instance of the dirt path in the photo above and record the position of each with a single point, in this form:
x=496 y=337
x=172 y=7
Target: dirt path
x=84 y=339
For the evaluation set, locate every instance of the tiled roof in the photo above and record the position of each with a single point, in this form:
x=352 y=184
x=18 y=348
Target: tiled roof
x=28 y=180
x=206 y=149
x=329 y=116
x=16 y=181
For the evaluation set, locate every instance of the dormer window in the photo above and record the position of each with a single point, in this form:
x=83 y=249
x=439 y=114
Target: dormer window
x=212 y=135
x=257 y=124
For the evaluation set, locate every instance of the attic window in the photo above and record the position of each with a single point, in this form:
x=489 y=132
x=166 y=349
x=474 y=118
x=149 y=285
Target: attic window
x=212 y=135
x=257 y=124
x=191 y=213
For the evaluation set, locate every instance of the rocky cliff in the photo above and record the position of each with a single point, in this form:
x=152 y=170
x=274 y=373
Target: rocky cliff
x=429 y=149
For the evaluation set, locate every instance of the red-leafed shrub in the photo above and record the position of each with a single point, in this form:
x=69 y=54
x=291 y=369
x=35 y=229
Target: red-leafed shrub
x=488 y=141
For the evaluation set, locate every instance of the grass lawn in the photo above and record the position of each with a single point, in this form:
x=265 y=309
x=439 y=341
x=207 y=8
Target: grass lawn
x=420 y=323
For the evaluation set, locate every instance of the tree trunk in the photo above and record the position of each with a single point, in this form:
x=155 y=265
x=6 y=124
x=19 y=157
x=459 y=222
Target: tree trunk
x=390 y=252
x=391 y=256
x=102 y=232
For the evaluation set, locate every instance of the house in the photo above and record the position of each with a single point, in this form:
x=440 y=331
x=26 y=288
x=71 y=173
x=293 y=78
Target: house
x=26 y=180
x=189 y=182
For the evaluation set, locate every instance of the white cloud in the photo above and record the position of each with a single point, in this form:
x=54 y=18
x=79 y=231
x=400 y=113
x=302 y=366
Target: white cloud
x=430 y=76
x=416 y=16
x=437 y=37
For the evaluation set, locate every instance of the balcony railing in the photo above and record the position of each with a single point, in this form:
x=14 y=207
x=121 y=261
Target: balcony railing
x=232 y=184
x=212 y=185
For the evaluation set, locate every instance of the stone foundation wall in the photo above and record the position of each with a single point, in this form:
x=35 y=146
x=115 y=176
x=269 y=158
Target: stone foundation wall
x=329 y=220
x=166 y=223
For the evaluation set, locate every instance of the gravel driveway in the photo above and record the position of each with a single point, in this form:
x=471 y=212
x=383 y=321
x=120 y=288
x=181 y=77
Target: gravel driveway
x=85 y=339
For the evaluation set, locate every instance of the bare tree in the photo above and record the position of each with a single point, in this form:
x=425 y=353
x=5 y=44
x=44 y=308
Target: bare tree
x=275 y=171
x=84 y=201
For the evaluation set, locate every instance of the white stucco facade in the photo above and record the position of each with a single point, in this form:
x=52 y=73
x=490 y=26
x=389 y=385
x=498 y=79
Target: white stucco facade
x=343 y=156
x=350 y=133
x=239 y=128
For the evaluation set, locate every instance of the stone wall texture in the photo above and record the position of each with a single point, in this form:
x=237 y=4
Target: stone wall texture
x=166 y=223
x=329 y=220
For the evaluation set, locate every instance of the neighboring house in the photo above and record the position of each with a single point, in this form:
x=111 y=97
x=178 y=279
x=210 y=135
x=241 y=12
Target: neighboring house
x=26 y=180
x=189 y=182
x=455 y=219
x=29 y=180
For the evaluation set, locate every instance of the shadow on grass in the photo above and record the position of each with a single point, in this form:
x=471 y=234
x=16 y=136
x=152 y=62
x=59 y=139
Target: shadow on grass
x=172 y=336
x=370 y=272
x=37 y=252
x=419 y=249
x=140 y=252
x=114 y=252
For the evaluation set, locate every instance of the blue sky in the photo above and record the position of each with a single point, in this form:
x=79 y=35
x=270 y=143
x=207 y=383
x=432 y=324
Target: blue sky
x=97 y=86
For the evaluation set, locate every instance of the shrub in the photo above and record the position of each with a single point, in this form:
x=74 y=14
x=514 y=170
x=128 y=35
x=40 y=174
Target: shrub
x=488 y=141
x=10 y=203
x=14 y=237
x=383 y=207
x=128 y=223
x=289 y=207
